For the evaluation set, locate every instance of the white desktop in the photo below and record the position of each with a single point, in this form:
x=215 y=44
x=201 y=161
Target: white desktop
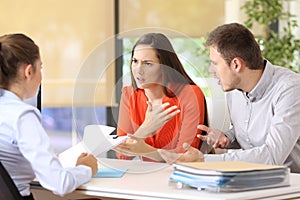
x=146 y=180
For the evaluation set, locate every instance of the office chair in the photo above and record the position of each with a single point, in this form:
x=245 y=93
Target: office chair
x=203 y=146
x=8 y=189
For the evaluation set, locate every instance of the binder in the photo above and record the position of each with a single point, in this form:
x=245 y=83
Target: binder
x=229 y=176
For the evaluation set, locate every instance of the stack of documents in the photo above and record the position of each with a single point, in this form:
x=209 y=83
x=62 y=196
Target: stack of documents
x=229 y=176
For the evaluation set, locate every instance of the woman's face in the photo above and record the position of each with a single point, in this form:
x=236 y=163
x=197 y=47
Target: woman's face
x=145 y=67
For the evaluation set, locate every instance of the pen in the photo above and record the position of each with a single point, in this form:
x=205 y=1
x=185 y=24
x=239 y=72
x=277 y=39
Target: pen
x=115 y=137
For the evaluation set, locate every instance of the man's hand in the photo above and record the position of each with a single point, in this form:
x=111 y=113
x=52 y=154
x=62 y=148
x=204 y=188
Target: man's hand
x=214 y=137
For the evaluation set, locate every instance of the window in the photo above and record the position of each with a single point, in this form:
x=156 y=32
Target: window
x=67 y=33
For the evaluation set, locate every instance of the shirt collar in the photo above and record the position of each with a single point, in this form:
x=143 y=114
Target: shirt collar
x=8 y=94
x=262 y=85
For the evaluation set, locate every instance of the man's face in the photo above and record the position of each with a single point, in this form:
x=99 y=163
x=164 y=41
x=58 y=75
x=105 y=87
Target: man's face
x=227 y=78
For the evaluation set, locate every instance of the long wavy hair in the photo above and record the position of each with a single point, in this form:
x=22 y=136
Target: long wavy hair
x=174 y=77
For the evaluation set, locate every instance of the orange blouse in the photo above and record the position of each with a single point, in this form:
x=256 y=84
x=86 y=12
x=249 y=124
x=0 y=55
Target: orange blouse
x=180 y=129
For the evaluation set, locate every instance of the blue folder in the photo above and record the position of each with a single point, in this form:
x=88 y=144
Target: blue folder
x=110 y=173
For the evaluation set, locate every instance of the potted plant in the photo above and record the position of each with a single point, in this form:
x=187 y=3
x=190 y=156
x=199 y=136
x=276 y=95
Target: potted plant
x=280 y=47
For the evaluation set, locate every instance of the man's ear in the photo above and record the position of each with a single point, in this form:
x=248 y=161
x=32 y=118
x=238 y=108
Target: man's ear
x=236 y=64
x=28 y=70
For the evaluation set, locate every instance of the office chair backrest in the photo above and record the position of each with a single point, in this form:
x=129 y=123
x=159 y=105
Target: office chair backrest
x=206 y=119
x=8 y=189
x=203 y=146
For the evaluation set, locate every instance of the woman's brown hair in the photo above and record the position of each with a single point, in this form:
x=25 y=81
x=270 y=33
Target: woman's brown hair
x=15 y=50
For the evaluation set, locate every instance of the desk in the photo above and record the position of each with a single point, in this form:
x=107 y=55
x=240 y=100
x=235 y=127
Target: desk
x=146 y=180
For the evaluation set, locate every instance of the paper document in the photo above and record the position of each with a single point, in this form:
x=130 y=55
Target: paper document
x=96 y=140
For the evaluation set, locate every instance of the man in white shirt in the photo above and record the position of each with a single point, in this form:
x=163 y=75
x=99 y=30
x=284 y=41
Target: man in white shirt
x=263 y=102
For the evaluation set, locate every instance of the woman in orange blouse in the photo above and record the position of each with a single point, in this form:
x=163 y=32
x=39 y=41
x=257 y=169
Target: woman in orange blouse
x=163 y=106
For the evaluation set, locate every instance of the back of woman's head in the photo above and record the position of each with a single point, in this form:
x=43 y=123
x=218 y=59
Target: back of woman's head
x=235 y=40
x=15 y=50
x=173 y=71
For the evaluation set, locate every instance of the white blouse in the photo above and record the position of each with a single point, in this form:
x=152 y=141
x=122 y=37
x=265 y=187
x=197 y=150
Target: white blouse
x=26 y=153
